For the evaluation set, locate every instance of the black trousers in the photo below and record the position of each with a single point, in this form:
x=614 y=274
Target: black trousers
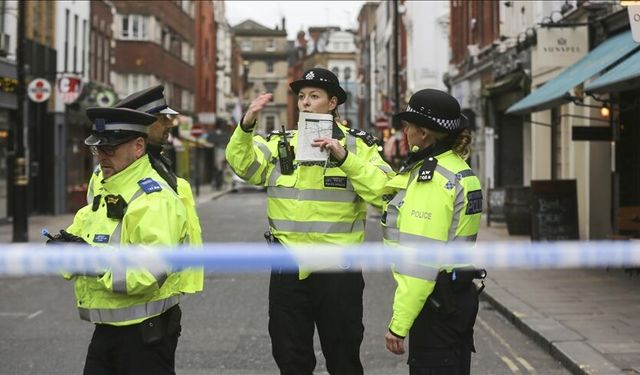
x=441 y=344
x=331 y=301
x=145 y=348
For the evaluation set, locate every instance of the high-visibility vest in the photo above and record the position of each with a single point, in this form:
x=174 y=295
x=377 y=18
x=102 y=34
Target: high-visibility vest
x=426 y=213
x=317 y=203
x=154 y=215
x=195 y=281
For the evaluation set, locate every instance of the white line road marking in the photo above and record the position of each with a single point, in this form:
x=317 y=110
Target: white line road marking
x=31 y=316
x=20 y=314
x=507 y=346
x=512 y=366
x=526 y=365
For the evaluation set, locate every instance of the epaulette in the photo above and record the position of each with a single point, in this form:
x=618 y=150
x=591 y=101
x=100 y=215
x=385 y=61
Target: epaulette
x=149 y=185
x=279 y=133
x=368 y=139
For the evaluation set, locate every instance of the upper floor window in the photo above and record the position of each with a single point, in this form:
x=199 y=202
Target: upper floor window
x=347 y=74
x=270 y=66
x=134 y=26
x=336 y=71
x=271 y=45
x=246 y=45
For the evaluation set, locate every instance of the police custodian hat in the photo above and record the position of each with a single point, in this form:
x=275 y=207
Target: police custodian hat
x=435 y=110
x=113 y=126
x=149 y=100
x=322 y=78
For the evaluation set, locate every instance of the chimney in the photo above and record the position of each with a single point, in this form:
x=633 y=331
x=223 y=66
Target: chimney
x=283 y=24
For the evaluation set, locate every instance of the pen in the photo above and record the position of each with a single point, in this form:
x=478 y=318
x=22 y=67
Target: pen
x=46 y=233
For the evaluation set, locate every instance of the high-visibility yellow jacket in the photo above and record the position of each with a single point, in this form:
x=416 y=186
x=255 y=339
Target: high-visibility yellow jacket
x=195 y=281
x=314 y=204
x=154 y=215
x=445 y=207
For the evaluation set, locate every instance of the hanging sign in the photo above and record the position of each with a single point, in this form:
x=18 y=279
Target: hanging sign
x=70 y=87
x=39 y=90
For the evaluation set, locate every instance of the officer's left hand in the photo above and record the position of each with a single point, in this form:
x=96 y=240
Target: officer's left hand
x=334 y=147
x=394 y=344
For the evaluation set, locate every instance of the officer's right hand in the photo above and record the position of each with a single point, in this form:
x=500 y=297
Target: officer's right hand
x=249 y=119
x=394 y=343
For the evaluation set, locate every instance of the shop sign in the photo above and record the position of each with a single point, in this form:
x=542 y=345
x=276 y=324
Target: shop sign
x=8 y=85
x=70 y=87
x=106 y=98
x=559 y=47
x=39 y=90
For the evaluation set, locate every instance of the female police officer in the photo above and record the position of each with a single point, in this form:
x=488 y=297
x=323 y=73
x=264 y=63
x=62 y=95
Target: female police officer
x=312 y=202
x=434 y=199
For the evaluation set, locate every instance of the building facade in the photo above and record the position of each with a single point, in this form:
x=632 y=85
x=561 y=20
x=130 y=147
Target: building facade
x=264 y=60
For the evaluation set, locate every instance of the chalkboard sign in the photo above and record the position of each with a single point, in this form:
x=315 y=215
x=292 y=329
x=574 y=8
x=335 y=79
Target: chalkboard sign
x=554 y=213
x=495 y=209
x=517 y=210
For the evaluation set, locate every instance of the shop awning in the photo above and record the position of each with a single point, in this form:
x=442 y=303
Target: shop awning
x=555 y=92
x=625 y=76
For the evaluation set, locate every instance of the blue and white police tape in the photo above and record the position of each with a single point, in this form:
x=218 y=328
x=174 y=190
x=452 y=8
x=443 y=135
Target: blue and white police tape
x=22 y=260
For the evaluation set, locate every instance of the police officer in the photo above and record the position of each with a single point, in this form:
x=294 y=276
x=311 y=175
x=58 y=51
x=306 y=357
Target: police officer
x=312 y=202
x=153 y=102
x=135 y=311
x=435 y=199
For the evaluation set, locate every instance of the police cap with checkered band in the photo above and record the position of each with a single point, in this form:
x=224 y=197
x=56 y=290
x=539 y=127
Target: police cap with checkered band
x=149 y=100
x=435 y=110
x=322 y=78
x=114 y=126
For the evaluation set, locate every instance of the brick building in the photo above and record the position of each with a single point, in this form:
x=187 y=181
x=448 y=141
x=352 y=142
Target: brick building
x=155 y=44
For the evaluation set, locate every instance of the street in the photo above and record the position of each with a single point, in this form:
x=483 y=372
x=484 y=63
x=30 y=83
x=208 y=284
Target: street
x=225 y=327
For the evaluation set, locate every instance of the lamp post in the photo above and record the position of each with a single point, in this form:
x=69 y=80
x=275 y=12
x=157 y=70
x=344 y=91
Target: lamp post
x=19 y=161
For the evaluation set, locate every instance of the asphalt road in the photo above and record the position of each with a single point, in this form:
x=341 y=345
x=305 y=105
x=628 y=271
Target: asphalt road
x=225 y=327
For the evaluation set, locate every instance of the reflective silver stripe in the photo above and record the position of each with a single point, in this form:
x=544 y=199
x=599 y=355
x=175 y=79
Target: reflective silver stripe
x=458 y=206
x=255 y=165
x=351 y=143
x=312 y=194
x=393 y=209
x=316 y=226
x=275 y=173
x=90 y=192
x=418 y=271
x=471 y=238
x=124 y=314
x=385 y=168
x=265 y=150
x=251 y=170
x=152 y=105
x=390 y=234
x=408 y=239
x=119 y=275
x=132 y=127
x=447 y=174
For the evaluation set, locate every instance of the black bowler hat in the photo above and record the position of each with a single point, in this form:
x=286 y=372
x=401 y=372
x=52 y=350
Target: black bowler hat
x=322 y=78
x=435 y=110
x=149 y=100
x=113 y=126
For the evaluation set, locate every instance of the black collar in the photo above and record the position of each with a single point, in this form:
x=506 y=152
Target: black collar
x=337 y=132
x=432 y=150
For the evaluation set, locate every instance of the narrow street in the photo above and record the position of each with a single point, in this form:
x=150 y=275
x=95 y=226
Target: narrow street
x=225 y=327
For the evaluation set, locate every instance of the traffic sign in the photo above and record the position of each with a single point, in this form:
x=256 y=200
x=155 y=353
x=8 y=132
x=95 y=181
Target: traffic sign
x=70 y=87
x=197 y=130
x=39 y=90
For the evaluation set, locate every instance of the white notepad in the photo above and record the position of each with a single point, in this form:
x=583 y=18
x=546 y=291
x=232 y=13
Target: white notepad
x=310 y=127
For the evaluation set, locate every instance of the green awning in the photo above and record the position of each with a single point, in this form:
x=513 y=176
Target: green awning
x=555 y=91
x=625 y=76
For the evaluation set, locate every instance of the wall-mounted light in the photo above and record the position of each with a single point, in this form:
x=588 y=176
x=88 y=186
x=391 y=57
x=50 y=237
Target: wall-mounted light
x=605 y=111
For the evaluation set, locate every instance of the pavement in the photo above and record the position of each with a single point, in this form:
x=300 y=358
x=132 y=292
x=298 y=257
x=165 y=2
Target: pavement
x=589 y=319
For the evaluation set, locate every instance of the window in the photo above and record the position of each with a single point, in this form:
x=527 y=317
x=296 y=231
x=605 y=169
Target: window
x=270 y=66
x=246 y=45
x=336 y=71
x=271 y=45
x=66 y=40
x=347 y=73
x=270 y=123
x=134 y=26
x=75 y=43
